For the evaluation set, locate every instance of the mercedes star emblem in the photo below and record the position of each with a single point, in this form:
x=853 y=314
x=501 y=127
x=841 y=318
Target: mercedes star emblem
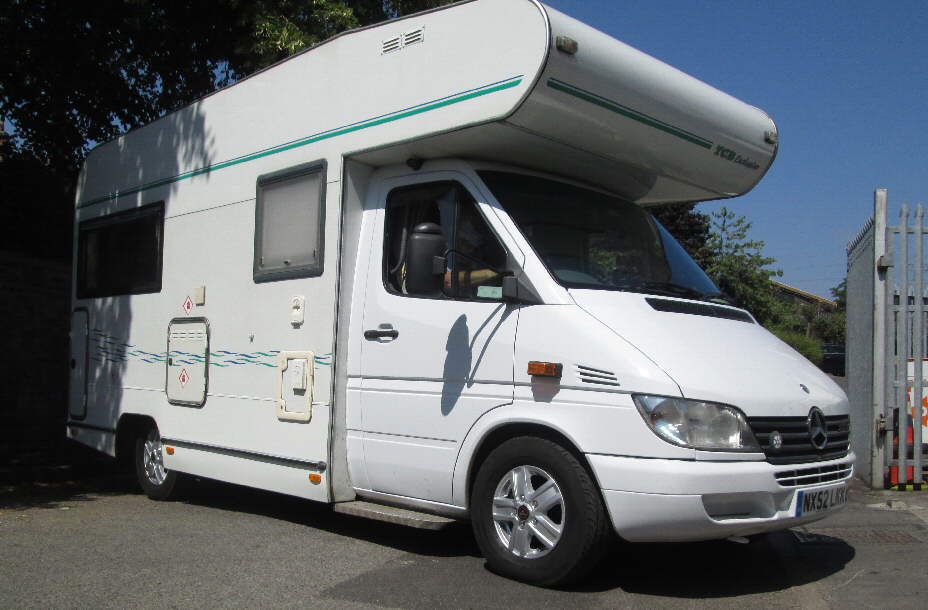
x=818 y=429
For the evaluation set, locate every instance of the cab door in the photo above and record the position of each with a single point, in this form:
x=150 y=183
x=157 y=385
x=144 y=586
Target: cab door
x=432 y=363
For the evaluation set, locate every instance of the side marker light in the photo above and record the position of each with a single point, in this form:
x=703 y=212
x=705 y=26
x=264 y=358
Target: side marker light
x=169 y=450
x=315 y=478
x=545 y=369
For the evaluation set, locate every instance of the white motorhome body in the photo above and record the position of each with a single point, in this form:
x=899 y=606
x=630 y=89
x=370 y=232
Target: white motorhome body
x=245 y=308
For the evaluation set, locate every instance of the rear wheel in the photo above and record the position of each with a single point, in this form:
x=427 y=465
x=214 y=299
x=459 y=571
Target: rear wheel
x=157 y=482
x=537 y=514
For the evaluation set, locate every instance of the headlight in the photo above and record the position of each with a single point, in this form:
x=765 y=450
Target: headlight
x=696 y=424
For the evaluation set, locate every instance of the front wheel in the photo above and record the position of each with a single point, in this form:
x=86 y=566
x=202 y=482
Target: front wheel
x=537 y=514
x=157 y=482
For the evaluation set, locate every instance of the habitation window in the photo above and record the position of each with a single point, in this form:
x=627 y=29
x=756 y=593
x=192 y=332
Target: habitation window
x=289 y=221
x=121 y=254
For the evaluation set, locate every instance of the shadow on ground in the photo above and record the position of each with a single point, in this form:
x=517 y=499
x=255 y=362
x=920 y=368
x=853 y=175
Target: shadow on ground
x=431 y=560
x=717 y=569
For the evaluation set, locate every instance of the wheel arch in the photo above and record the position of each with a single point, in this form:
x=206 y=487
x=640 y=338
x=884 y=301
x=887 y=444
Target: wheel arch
x=130 y=427
x=496 y=435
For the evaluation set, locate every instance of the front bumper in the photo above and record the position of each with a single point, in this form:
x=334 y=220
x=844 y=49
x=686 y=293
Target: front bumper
x=656 y=500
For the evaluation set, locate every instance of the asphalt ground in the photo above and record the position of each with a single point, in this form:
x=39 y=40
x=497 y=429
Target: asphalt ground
x=99 y=543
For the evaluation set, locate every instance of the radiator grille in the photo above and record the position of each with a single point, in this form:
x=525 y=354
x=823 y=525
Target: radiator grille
x=816 y=474
x=797 y=448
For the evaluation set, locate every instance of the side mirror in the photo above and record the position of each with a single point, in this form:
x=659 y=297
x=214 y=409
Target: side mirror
x=425 y=243
x=517 y=292
x=510 y=289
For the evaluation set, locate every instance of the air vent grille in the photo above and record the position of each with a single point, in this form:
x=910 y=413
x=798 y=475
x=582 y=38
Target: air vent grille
x=815 y=475
x=403 y=40
x=413 y=37
x=393 y=44
x=699 y=309
x=587 y=374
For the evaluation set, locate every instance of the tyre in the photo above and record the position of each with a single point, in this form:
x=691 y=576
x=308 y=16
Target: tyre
x=157 y=482
x=537 y=514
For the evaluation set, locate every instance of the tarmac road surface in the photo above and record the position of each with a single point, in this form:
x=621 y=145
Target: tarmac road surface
x=101 y=544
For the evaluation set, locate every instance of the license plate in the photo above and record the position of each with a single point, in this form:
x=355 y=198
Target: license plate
x=812 y=501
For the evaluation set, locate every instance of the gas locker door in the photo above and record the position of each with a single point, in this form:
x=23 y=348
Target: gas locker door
x=187 y=379
x=80 y=330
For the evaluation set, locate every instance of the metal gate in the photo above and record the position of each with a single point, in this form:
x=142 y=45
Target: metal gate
x=886 y=347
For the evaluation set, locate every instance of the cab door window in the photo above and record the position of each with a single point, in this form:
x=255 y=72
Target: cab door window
x=473 y=256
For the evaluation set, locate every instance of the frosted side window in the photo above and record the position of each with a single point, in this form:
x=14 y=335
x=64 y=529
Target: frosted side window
x=289 y=220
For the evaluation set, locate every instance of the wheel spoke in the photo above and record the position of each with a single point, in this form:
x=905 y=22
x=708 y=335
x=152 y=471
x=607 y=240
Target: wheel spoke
x=525 y=479
x=535 y=493
x=504 y=509
x=549 y=498
x=516 y=475
x=519 y=541
x=546 y=530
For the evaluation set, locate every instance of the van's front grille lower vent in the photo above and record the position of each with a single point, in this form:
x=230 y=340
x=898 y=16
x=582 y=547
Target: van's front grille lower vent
x=796 y=444
x=587 y=374
x=699 y=309
x=815 y=475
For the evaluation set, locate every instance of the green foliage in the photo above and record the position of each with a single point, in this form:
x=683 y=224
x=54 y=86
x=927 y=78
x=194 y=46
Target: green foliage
x=831 y=327
x=807 y=346
x=839 y=294
x=689 y=227
x=76 y=73
x=738 y=266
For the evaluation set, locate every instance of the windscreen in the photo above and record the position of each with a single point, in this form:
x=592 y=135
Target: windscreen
x=591 y=240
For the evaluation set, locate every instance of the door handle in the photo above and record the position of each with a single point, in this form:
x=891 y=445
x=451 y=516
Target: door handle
x=382 y=333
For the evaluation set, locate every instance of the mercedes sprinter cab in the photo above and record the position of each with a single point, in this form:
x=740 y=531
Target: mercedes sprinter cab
x=449 y=300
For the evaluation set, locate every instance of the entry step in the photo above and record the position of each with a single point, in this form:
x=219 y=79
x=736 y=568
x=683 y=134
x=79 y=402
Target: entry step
x=392 y=514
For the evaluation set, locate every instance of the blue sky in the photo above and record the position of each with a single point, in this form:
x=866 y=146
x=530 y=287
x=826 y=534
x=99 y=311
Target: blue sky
x=846 y=83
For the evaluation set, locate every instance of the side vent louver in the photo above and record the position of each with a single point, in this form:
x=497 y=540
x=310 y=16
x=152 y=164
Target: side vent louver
x=413 y=37
x=394 y=44
x=587 y=374
x=403 y=40
x=699 y=309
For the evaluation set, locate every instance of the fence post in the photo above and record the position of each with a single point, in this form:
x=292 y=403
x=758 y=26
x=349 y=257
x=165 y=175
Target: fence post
x=882 y=342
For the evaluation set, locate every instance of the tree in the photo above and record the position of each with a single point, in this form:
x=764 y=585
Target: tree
x=689 y=227
x=738 y=266
x=76 y=73
x=839 y=294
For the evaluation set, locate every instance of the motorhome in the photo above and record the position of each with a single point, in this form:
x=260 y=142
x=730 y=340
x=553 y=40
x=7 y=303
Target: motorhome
x=412 y=272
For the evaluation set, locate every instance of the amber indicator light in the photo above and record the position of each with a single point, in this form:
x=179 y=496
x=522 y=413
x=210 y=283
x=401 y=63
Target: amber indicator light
x=169 y=450
x=315 y=478
x=544 y=369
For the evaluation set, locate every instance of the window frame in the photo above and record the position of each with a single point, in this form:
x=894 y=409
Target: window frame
x=156 y=209
x=385 y=248
x=315 y=269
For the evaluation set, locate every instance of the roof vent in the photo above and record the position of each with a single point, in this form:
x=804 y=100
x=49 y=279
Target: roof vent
x=417 y=35
x=393 y=44
x=403 y=40
x=587 y=374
